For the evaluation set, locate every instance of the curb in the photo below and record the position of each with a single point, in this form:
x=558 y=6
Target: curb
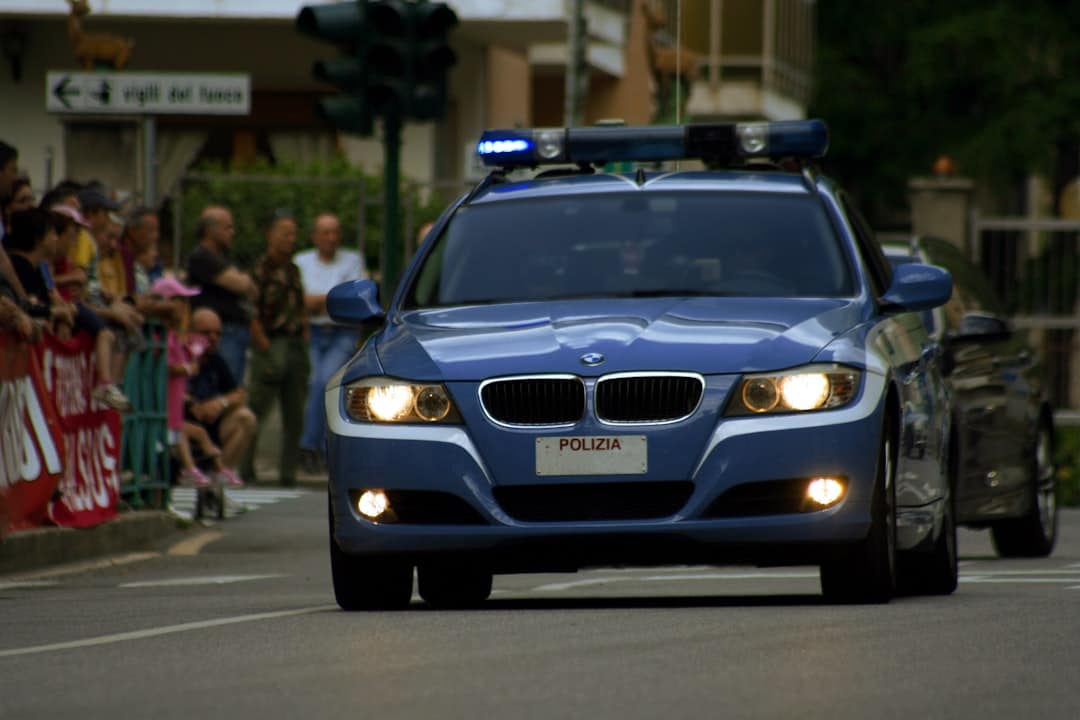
x=128 y=532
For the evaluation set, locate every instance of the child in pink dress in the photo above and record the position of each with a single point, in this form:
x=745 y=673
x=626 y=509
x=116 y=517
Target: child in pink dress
x=182 y=354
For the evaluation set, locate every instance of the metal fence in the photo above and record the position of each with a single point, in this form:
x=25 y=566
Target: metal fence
x=1035 y=266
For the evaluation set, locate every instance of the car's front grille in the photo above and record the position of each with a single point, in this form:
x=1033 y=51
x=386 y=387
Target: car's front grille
x=573 y=502
x=647 y=398
x=535 y=400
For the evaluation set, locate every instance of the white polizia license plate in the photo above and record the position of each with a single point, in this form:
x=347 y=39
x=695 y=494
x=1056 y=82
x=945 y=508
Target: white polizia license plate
x=595 y=455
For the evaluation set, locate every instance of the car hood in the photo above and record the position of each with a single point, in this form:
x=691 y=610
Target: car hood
x=706 y=335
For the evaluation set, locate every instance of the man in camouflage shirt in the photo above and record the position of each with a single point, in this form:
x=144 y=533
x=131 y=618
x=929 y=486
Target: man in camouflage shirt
x=279 y=338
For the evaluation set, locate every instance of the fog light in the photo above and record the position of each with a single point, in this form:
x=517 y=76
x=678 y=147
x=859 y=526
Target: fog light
x=825 y=491
x=372 y=504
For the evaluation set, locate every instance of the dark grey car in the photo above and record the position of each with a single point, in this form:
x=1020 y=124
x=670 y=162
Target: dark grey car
x=1003 y=468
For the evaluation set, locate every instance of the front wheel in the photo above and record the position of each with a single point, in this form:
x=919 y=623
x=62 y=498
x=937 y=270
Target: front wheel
x=867 y=573
x=368 y=583
x=1034 y=534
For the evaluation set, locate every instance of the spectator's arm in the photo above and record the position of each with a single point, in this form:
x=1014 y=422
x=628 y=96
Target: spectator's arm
x=147 y=305
x=315 y=304
x=236 y=282
x=121 y=313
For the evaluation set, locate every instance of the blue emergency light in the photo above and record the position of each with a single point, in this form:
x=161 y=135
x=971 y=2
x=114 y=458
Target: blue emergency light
x=719 y=142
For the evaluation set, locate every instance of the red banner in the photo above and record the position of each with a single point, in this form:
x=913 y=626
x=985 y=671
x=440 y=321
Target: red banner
x=31 y=464
x=89 y=491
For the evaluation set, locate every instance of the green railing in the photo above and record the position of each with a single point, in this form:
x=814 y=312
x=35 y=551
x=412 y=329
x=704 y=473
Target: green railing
x=144 y=444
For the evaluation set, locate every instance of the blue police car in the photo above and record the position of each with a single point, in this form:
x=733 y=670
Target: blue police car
x=661 y=366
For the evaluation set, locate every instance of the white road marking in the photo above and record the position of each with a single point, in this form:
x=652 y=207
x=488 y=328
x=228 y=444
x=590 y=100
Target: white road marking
x=237 y=501
x=17 y=585
x=1067 y=575
x=559 y=587
x=205 y=580
x=1013 y=579
x=79 y=567
x=166 y=630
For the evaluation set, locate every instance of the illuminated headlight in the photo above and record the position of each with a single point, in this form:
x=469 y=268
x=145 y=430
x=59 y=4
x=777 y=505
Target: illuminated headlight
x=372 y=504
x=824 y=491
x=815 y=387
x=385 y=400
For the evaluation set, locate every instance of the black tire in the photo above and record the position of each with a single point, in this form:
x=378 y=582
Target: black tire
x=935 y=572
x=363 y=582
x=453 y=585
x=867 y=572
x=1034 y=534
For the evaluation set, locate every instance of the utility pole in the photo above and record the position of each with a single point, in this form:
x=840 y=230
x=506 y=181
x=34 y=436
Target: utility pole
x=576 y=69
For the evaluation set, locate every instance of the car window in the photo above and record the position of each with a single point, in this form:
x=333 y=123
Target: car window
x=634 y=245
x=869 y=247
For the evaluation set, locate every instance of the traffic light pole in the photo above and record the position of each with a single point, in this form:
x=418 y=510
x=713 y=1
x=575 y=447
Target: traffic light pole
x=391 y=251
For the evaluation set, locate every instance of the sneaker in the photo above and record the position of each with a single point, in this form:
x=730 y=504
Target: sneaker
x=193 y=477
x=111 y=395
x=227 y=478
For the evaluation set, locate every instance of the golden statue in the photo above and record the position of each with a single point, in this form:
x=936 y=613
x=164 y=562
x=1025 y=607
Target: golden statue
x=94 y=50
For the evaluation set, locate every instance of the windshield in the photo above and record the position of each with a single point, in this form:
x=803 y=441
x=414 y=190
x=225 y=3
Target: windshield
x=634 y=245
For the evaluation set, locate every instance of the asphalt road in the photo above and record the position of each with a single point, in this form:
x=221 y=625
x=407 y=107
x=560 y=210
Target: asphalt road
x=238 y=621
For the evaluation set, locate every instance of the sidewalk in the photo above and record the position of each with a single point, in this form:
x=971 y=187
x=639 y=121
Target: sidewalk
x=129 y=532
x=133 y=530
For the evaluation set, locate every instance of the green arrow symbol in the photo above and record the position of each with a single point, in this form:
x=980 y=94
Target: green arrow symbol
x=63 y=91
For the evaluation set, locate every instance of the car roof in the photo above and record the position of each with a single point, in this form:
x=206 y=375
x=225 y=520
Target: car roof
x=741 y=180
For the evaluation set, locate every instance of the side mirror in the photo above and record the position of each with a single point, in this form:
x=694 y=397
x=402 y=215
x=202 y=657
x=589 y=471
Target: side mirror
x=917 y=287
x=355 y=303
x=980 y=327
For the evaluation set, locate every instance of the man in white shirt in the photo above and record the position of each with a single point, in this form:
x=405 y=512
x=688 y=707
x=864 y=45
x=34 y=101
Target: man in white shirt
x=322 y=268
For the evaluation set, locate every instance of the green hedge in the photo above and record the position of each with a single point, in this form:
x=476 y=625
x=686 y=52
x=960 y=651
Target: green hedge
x=255 y=192
x=1067 y=461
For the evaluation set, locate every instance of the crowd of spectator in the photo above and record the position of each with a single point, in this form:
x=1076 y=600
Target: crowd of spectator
x=78 y=261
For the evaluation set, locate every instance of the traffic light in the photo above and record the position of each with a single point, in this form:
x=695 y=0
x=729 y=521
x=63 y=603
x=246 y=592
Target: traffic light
x=409 y=57
x=432 y=59
x=396 y=59
x=344 y=24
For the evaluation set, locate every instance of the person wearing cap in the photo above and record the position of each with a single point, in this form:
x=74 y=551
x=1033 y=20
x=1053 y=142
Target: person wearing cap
x=95 y=207
x=279 y=333
x=226 y=289
x=183 y=350
x=70 y=280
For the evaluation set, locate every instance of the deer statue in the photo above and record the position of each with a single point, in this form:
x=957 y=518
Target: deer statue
x=96 y=49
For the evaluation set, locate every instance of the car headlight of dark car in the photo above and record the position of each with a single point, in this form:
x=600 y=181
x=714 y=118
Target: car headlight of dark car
x=389 y=400
x=803 y=389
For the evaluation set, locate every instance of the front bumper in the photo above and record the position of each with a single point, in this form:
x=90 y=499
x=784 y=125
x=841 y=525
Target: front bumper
x=445 y=460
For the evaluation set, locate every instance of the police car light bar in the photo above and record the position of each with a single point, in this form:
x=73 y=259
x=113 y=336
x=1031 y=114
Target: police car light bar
x=721 y=142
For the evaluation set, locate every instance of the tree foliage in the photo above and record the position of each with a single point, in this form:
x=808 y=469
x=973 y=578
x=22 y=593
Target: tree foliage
x=255 y=192
x=992 y=84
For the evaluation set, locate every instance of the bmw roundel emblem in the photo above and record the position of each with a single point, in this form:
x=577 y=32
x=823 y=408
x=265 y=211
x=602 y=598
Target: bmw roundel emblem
x=592 y=358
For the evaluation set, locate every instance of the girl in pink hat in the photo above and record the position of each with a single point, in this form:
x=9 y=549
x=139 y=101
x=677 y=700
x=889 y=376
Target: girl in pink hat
x=182 y=353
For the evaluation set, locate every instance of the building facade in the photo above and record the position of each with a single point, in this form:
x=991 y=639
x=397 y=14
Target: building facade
x=511 y=70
